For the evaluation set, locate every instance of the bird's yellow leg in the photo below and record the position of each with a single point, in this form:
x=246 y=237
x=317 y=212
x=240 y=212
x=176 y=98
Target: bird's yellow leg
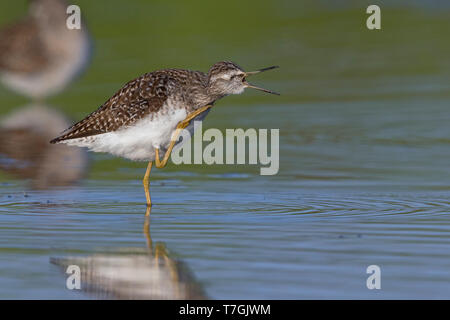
x=182 y=125
x=160 y=251
x=147 y=230
x=194 y=114
x=146 y=183
x=172 y=268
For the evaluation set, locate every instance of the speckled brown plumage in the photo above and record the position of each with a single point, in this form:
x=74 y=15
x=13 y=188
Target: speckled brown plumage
x=222 y=67
x=156 y=94
x=150 y=115
x=141 y=97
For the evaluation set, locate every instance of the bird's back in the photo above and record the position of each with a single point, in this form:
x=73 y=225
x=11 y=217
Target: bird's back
x=144 y=96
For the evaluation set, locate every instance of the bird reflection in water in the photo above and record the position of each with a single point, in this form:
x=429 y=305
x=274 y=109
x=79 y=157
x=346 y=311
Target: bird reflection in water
x=152 y=274
x=26 y=153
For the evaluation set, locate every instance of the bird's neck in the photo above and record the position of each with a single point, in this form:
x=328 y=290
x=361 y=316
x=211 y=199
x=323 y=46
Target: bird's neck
x=203 y=100
x=201 y=96
x=213 y=94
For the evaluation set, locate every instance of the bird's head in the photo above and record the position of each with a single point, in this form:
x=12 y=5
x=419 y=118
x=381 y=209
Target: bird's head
x=226 y=78
x=50 y=13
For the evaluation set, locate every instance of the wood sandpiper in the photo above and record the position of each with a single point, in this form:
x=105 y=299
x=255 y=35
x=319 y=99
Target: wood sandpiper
x=39 y=55
x=147 y=115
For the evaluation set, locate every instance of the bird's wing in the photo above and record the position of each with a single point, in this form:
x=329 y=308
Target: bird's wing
x=137 y=99
x=21 y=49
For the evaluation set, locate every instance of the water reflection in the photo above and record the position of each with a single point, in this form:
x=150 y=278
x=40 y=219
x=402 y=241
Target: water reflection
x=152 y=273
x=26 y=153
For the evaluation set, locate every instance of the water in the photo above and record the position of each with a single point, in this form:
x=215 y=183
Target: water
x=363 y=180
x=340 y=203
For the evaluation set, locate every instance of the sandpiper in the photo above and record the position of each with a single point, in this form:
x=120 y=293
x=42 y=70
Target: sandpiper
x=147 y=115
x=39 y=55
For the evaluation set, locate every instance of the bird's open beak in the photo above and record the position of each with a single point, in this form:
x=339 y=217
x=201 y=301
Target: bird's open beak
x=248 y=85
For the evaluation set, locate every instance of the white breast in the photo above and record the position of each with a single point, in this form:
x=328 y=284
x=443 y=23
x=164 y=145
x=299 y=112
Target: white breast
x=137 y=142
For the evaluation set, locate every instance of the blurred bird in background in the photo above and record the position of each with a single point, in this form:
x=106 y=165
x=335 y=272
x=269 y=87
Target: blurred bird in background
x=40 y=55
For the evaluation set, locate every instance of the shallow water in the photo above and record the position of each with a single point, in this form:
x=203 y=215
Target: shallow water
x=364 y=149
x=340 y=203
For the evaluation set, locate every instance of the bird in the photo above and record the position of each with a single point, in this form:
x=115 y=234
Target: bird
x=146 y=116
x=40 y=55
